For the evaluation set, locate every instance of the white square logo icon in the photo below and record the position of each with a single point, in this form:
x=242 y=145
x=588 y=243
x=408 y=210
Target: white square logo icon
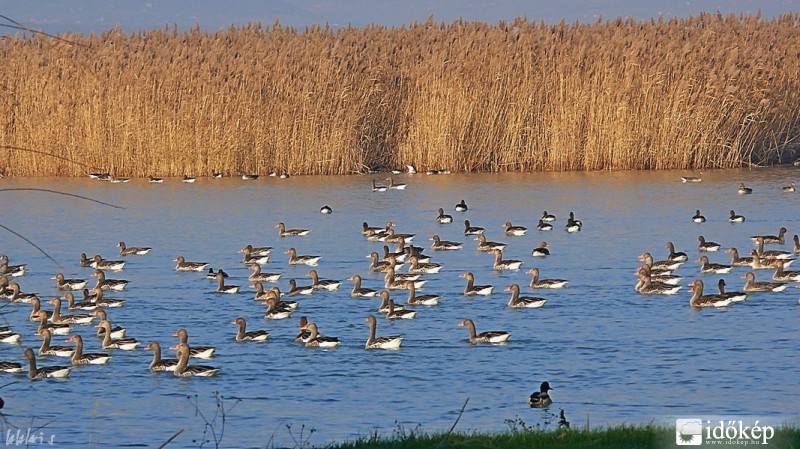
x=688 y=432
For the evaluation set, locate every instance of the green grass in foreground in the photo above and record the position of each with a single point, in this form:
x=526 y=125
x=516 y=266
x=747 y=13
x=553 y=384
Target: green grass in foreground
x=621 y=437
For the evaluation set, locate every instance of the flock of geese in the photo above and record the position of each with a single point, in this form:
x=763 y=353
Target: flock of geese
x=654 y=277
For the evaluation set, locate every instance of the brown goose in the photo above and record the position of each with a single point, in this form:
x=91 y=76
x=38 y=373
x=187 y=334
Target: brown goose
x=698 y=299
x=523 y=302
x=315 y=340
x=92 y=358
x=386 y=342
x=35 y=373
x=200 y=352
x=244 y=335
x=290 y=232
x=472 y=289
x=545 y=283
x=159 y=364
x=493 y=337
x=183 y=369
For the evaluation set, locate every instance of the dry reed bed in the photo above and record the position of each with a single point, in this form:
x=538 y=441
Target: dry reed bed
x=707 y=91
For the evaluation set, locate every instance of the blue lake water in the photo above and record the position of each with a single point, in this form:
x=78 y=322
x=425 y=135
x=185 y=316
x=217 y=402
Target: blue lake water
x=611 y=355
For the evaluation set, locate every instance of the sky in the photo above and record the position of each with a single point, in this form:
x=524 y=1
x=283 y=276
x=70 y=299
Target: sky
x=85 y=16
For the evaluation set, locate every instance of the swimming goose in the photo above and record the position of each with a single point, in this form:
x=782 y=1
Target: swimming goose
x=417 y=252
x=541 y=251
x=734 y=296
x=85 y=261
x=322 y=284
x=315 y=340
x=523 y=302
x=222 y=288
x=393 y=281
x=109 y=284
x=126 y=344
x=708 y=267
x=514 y=230
x=646 y=286
x=545 y=283
x=250 y=258
x=547 y=218
x=358 y=290
x=424 y=300
x=485 y=245
x=35 y=373
x=56 y=329
x=200 y=352
x=790 y=188
x=707 y=246
x=155 y=180
x=5 y=292
x=461 y=207
x=283 y=232
x=443 y=218
x=472 y=289
x=101 y=301
x=9 y=336
x=387 y=342
x=698 y=299
x=183 y=369
x=243 y=335
x=542 y=226
x=691 y=178
x=472 y=230
x=752 y=286
x=379 y=265
x=670 y=279
x=295 y=290
x=10 y=367
x=779 y=239
x=782 y=275
x=275 y=292
x=492 y=337
x=18 y=296
x=679 y=256
x=103 y=176
x=256 y=250
x=399 y=255
x=796 y=247
x=542 y=398
x=326 y=210
x=11 y=270
x=395 y=312
x=47 y=349
x=37 y=306
x=58 y=318
x=772 y=254
x=92 y=358
x=647 y=258
x=104 y=264
x=249 y=177
x=116 y=331
x=735 y=218
x=183 y=265
x=500 y=264
x=744 y=190
x=188 y=179
x=378 y=187
x=119 y=180
x=258 y=276
x=159 y=364
x=276 y=311
x=444 y=245
x=384 y=306
x=304 y=333
x=417 y=267
x=393 y=186
x=294 y=259
x=132 y=250
x=697 y=218
x=393 y=237
x=737 y=261
x=69 y=284
x=370 y=230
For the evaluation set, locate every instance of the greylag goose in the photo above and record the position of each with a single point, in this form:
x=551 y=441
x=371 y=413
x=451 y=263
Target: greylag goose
x=423 y=300
x=109 y=284
x=744 y=190
x=779 y=239
x=105 y=264
x=358 y=290
x=386 y=342
x=222 y=288
x=523 y=302
x=159 y=364
x=126 y=344
x=676 y=256
x=708 y=267
x=200 y=352
x=323 y=284
x=92 y=358
x=35 y=373
x=250 y=258
x=101 y=301
x=511 y=230
x=647 y=286
x=790 y=188
x=47 y=349
x=294 y=259
x=545 y=283
x=283 y=232
x=116 y=331
x=753 y=286
x=132 y=250
x=485 y=245
x=442 y=245
x=698 y=299
x=737 y=261
x=393 y=186
x=507 y=264
x=56 y=329
x=258 y=276
x=58 y=318
x=443 y=218
x=493 y=337
x=244 y=335
x=472 y=289
x=705 y=246
x=183 y=369
x=472 y=230
x=183 y=265
x=418 y=267
x=69 y=284
x=782 y=275
x=734 y=296
x=294 y=289
x=315 y=340
x=397 y=281
x=256 y=250
x=378 y=187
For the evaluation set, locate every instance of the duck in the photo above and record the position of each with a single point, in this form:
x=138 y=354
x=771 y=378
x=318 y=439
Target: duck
x=523 y=302
x=393 y=186
x=545 y=283
x=485 y=245
x=391 y=342
x=101 y=301
x=11 y=270
x=705 y=246
x=315 y=340
x=699 y=300
x=573 y=225
x=132 y=250
x=325 y=210
x=734 y=296
x=472 y=230
x=491 y=337
x=737 y=261
x=708 y=267
x=698 y=218
x=294 y=259
x=541 y=251
x=547 y=218
x=501 y=264
x=155 y=180
x=444 y=245
x=200 y=352
x=283 y=232
x=109 y=284
x=752 y=286
x=646 y=286
x=323 y=284
x=104 y=264
x=188 y=179
x=183 y=369
x=511 y=230
x=462 y=206
x=69 y=284
x=183 y=265
x=58 y=318
x=258 y=276
x=276 y=311
x=541 y=398
x=744 y=190
x=378 y=187
x=56 y=329
x=92 y=358
x=158 y=364
x=47 y=349
x=443 y=218
x=126 y=344
x=35 y=373
x=295 y=290
x=678 y=256
x=358 y=290
x=222 y=288
x=790 y=188
x=394 y=281
x=782 y=275
x=779 y=239
x=542 y=226
x=250 y=258
x=671 y=279
x=424 y=300
x=735 y=218
x=647 y=258
x=417 y=267
x=471 y=289
x=10 y=367
x=37 y=306
x=116 y=331
x=243 y=335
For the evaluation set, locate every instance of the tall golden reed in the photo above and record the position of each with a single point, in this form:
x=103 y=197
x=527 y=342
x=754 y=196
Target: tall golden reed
x=707 y=91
